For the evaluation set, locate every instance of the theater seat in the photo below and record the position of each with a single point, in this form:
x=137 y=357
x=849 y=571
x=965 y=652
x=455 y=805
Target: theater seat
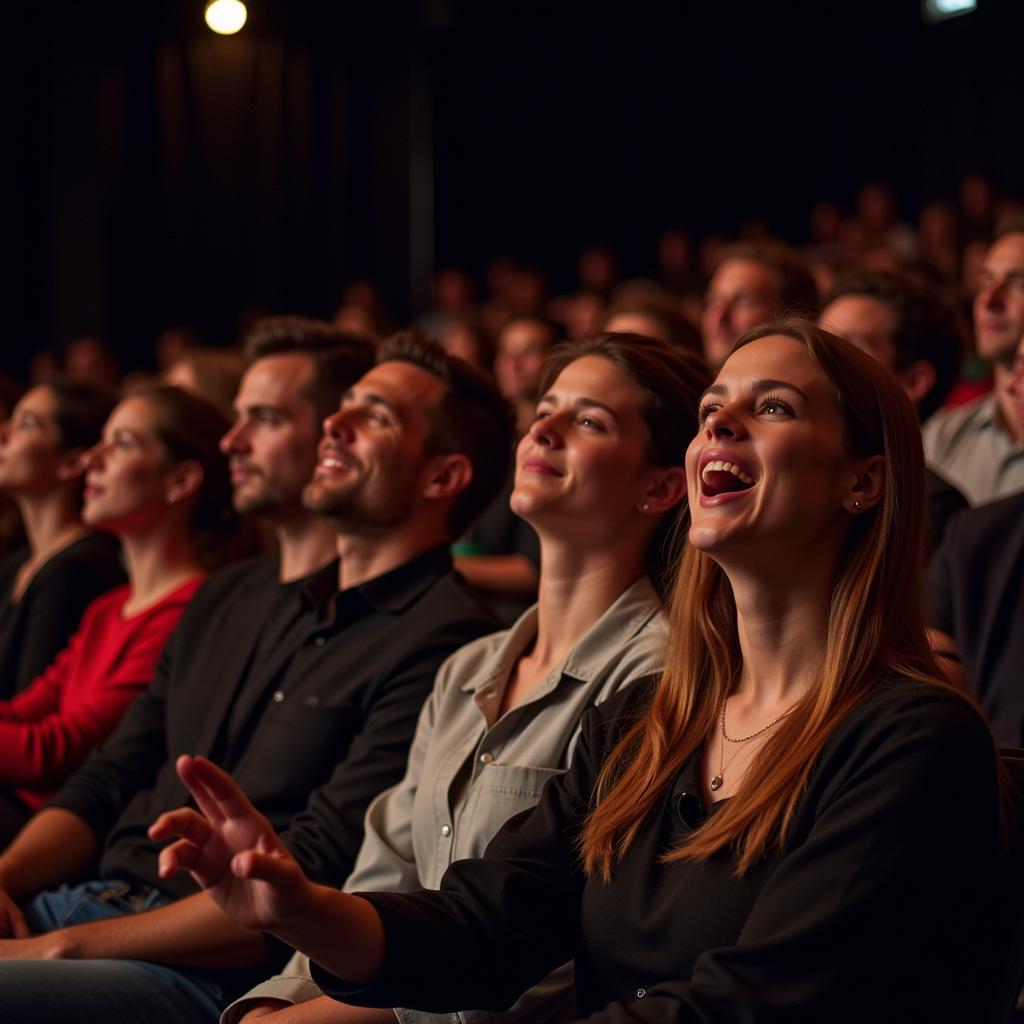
x=1008 y=1004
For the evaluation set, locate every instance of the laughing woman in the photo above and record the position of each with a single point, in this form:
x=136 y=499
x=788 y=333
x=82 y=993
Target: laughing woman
x=157 y=481
x=799 y=822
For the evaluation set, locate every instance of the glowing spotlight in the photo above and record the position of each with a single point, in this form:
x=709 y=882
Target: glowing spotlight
x=225 y=16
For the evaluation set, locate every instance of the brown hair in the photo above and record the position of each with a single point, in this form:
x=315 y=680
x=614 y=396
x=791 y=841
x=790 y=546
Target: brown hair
x=190 y=428
x=875 y=626
x=339 y=357
x=472 y=418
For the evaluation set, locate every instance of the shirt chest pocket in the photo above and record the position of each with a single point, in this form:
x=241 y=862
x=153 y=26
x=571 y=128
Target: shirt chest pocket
x=294 y=716
x=499 y=792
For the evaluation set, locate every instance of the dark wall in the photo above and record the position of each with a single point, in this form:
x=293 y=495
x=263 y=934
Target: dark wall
x=158 y=174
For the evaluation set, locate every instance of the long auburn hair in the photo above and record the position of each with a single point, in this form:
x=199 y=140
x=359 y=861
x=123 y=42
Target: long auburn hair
x=875 y=626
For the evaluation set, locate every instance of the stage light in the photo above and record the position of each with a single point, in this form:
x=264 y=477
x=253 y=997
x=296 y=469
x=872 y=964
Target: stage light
x=939 y=10
x=225 y=16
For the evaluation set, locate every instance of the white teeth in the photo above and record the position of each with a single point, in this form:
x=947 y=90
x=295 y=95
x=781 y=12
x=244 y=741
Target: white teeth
x=330 y=463
x=718 y=466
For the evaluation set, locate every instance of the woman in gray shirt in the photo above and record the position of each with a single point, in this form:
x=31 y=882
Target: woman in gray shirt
x=599 y=475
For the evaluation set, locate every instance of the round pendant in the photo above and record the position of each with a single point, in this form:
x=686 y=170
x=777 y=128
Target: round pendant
x=716 y=782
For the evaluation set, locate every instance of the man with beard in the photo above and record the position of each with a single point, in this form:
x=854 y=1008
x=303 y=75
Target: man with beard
x=312 y=708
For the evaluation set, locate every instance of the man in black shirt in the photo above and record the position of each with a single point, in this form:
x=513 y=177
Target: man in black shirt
x=316 y=698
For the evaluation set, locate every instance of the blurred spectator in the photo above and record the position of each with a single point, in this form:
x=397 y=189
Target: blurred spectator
x=977 y=206
x=652 y=313
x=362 y=311
x=89 y=359
x=979 y=447
x=940 y=239
x=753 y=281
x=909 y=329
x=465 y=338
x=977 y=602
x=676 y=268
x=43 y=365
x=582 y=314
x=211 y=373
x=454 y=294
x=171 y=345
x=46 y=585
x=876 y=215
x=598 y=270
x=523 y=346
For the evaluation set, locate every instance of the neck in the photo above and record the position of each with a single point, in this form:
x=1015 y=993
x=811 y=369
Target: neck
x=51 y=523
x=576 y=589
x=305 y=544
x=158 y=561
x=1002 y=377
x=782 y=617
x=367 y=555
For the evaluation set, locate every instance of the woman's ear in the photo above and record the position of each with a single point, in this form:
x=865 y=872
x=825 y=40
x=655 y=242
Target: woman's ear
x=183 y=481
x=666 y=490
x=868 y=485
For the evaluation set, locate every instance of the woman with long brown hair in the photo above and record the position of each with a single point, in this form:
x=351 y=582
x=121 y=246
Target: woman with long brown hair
x=799 y=822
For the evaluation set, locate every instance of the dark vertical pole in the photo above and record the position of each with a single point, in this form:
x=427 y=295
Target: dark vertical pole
x=421 y=166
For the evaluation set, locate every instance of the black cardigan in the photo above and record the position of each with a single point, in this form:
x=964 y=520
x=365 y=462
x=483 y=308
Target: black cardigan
x=879 y=907
x=35 y=629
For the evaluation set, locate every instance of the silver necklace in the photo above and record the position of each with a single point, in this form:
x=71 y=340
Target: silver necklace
x=717 y=780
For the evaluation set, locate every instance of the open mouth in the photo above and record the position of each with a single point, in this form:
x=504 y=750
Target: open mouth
x=722 y=477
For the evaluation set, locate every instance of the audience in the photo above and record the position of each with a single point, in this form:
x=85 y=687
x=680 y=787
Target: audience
x=321 y=727
x=757 y=826
x=599 y=478
x=907 y=327
x=157 y=481
x=751 y=282
x=979 y=447
x=764 y=832
x=976 y=598
x=47 y=585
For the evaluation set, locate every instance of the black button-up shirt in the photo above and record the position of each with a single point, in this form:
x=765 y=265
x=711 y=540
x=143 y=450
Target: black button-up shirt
x=309 y=697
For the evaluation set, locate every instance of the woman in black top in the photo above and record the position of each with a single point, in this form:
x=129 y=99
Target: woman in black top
x=799 y=821
x=45 y=588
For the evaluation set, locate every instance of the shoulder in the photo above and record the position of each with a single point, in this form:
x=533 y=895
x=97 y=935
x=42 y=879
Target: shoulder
x=249 y=573
x=945 y=424
x=447 y=604
x=918 y=731
x=604 y=725
x=997 y=528
x=89 y=556
x=107 y=605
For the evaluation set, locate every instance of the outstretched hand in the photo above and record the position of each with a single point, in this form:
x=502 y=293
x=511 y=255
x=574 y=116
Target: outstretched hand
x=231 y=850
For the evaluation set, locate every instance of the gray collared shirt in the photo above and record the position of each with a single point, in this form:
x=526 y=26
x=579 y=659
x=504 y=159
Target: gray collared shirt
x=970 y=448
x=469 y=771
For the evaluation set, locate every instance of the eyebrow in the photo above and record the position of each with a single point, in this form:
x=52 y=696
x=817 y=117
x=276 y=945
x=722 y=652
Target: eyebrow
x=757 y=386
x=581 y=403
x=370 y=398
x=258 y=407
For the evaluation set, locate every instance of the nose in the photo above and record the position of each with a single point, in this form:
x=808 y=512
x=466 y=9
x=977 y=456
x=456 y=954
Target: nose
x=991 y=295
x=546 y=431
x=234 y=440
x=337 y=426
x=93 y=457
x=722 y=423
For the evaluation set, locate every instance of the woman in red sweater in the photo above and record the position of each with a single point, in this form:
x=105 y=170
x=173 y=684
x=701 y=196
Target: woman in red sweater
x=157 y=481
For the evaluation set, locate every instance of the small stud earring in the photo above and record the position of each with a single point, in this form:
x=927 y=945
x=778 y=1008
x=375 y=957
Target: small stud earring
x=857 y=506
x=645 y=507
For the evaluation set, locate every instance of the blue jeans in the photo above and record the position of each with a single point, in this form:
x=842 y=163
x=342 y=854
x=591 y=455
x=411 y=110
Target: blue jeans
x=115 y=991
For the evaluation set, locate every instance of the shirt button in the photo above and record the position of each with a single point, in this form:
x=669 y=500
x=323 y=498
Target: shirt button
x=641 y=992
x=446 y=830
x=319 y=641
x=278 y=696
x=486 y=758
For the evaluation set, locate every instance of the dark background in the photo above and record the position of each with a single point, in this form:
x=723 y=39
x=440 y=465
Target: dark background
x=157 y=174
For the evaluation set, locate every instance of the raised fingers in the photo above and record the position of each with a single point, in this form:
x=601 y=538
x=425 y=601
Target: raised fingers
x=183 y=823
x=216 y=792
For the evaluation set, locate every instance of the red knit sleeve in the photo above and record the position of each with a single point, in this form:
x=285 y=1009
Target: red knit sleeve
x=75 y=704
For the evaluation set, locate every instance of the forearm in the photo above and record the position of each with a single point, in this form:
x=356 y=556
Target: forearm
x=54 y=847
x=191 y=932
x=317 y=1011
x=342 y=933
